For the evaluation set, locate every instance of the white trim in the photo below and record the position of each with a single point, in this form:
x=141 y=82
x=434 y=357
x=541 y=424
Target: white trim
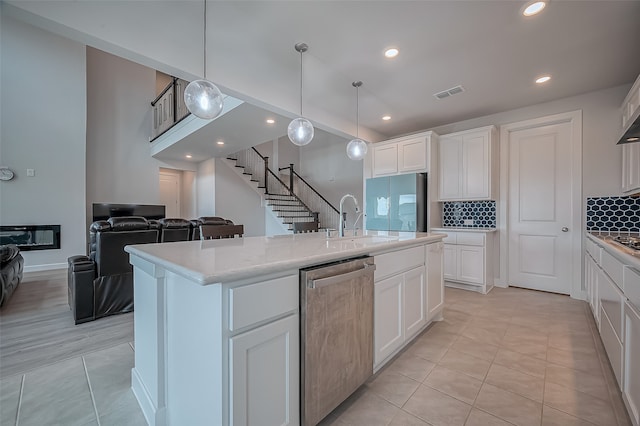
x=153 y=416
x=45 y=267
x=575 y=119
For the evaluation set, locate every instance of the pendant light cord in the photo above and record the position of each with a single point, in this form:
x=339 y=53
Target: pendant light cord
x=358 y=112
x=204 y=44
x=301 y=79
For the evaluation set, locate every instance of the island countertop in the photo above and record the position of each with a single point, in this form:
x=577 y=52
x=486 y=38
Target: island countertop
x=215 y=261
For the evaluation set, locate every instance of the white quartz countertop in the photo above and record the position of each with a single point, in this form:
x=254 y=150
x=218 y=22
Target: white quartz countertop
x=460 y=229
x=224 y=260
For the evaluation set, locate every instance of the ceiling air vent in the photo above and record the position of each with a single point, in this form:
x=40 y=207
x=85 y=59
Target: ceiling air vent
x=449 y=92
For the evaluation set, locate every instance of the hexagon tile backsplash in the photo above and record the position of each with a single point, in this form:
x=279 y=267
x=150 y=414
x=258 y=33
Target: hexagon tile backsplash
x=618 y=214
x=482 y=213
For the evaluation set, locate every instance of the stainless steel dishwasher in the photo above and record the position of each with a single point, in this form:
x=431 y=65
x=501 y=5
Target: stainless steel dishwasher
x=336 y=334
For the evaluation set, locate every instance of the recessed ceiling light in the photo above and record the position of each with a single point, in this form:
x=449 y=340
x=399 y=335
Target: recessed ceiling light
x=188 y=156
x=270 y=121
x=543 y=79
x=534 y=8
x=391 y=53
x=386 y=117
x=633 y=139
x=220 y=143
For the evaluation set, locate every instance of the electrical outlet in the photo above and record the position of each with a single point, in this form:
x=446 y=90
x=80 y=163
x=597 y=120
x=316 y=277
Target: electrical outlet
x=468 y=222
x=31 y=172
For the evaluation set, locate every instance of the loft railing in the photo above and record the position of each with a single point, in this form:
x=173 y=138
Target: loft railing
x=328 y=215
x=168 y=108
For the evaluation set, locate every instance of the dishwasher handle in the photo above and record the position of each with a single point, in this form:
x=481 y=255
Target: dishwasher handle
x=323 y=282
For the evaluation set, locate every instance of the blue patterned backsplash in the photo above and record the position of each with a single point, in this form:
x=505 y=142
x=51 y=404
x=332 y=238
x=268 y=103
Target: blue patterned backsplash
x=483 y=214
x=613 y=214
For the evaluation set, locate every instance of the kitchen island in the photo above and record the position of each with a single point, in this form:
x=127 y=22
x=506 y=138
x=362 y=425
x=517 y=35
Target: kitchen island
x=216 y=322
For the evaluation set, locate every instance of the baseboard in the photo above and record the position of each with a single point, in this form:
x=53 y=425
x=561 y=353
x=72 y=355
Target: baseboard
x=45 y=268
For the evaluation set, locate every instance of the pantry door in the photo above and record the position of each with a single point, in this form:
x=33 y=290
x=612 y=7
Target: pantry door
x=544 y=193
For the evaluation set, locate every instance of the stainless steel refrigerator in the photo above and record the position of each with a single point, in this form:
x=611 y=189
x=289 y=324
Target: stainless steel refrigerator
x=397 y=203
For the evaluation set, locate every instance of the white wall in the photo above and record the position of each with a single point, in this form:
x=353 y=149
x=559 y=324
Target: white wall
x=119 y=166
x=601 y=125
x=188 y=194
x=206 y=188
x=42 y=126
x=235 y=200
x=325 y=165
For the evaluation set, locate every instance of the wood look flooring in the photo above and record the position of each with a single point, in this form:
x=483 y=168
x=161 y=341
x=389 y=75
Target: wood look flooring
x=37 y=327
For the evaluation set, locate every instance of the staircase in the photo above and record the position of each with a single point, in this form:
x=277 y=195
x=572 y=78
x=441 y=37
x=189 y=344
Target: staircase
x=291 y=203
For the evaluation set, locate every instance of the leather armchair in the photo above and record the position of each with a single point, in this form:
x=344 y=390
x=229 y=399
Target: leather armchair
x=206 y=220
x=101 y=284
x=175 y=229
x=11 y=266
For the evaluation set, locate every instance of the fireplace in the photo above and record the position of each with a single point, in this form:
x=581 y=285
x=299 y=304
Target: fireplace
x=31 y=237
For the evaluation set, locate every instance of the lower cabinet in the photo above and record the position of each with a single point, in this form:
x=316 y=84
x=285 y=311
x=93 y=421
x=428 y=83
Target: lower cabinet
x=435 y=281
x=399 y=311
x=591 y=281
x=264 y=378
x=468 y=260
x=631 y=385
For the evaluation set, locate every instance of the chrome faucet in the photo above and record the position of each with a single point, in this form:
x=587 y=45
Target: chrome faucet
x=342 y=221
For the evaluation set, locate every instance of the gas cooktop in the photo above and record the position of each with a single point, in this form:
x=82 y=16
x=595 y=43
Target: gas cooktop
x=628 y=241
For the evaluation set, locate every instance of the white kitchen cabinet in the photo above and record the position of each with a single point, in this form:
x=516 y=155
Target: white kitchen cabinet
x=435 y=281
x=467 y=165
x=407 y=296
x=591 y=280
x=408 y=154
x=468 y=258
x=631 y=382
x=264 y=375
x=387 y=322
x=631 y=168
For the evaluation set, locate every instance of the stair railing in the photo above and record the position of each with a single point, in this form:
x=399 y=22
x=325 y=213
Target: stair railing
x=329 y=216
x=168 y=108
x=257 y=166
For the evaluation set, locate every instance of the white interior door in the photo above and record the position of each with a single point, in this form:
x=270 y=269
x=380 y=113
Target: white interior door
x=170 y=193
x=540 y=208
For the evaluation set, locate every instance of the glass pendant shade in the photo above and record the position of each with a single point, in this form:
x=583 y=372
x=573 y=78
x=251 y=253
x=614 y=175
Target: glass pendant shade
x=203 y=99
x=356 y=149
x=300 y=131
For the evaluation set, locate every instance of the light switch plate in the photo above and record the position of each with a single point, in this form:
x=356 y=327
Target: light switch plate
x=31 y=172
x=468 y=222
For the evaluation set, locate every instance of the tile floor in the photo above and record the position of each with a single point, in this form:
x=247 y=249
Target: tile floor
x=513 y=357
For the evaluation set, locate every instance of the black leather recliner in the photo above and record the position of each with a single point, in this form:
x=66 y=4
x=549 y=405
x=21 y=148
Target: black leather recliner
x=175 y=229
x=101 y=284
x=206 y=220
x=11 y=266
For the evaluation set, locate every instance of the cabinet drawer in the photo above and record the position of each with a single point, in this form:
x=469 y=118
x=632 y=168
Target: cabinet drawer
x=594 y=251
x=255 y=303
x=470 y=238
x=613 y=267
x=389 y=264
x=631 y=282
x=451 y=237
x=612 y=345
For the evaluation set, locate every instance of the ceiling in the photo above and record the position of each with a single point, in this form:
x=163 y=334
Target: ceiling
x=488 y=47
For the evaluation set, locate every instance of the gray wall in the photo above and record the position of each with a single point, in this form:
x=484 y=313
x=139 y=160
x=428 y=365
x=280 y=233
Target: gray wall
x=119 y=166
x=42 y=127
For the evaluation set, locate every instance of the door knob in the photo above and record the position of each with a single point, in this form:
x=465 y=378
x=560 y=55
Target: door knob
x=565 y=229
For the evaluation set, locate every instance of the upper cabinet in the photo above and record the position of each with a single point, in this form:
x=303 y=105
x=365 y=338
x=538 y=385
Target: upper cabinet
x=468 y=165
x=409 y=154
x=631 y=151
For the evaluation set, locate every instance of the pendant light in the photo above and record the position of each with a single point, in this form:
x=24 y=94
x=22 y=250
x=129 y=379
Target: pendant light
x=300 y=130
x=203 y=98
x=357 y=148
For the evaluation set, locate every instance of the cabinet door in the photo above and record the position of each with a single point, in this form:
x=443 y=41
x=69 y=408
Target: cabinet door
x=631 y=386
x=631 y=167
x=387 y=318
x=412 y=156
x=471 y=264
x=414 y=312
x=475 y=166
x=435 y=281
x=449 y=168
x=385 y=160
x=265 y=375
x=450 y=256
x=612 y=302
